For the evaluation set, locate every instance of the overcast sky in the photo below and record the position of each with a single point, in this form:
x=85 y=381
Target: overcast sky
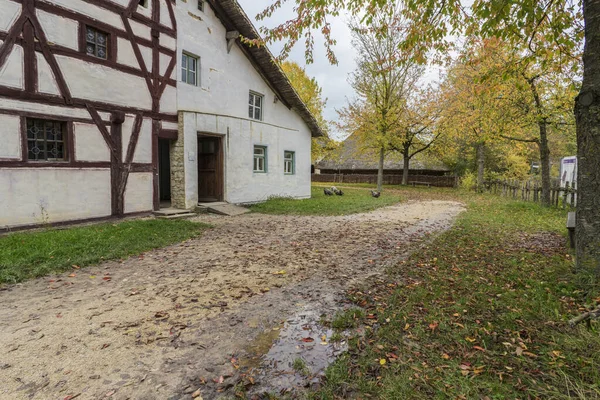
x=332 y=78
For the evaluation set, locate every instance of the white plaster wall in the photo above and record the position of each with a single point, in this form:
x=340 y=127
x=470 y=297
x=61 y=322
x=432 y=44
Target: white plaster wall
x=225 y=79
x=219 y=104
x=138 y=195
x=168 y=41
x=46 y=80
x=8 y=15
x=242 y=185
x=168 y=101
x=165 y=19
x=89 y=143
x=40 y=195
x=139 y=29
x=10 y=137
x=41 y=108
x=59 y=30
x=11 y=74
x=102 y=83
x=143 y=150
x=96 y=12
x=126 y=55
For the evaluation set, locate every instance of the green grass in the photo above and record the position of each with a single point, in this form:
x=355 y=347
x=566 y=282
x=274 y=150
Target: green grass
x=480 y=313
x=353 y=201
x=34 y=254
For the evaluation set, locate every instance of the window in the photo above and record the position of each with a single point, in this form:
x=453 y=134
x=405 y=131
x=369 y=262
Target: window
x=289 y=162
x=143 y=3
x=189 y=69
x=45 y=140
x=201 y=5
x=255 y=106
x=260 y=159
x=96 y=43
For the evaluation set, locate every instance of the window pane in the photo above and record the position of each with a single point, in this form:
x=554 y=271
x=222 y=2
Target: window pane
x=257 y=113
x=251 y=99
x=261 y=164
x=258 y=101
x=101 y=52
x=192 y=63
x=90 y=49
x=184 y=61
x=191 y=78
x=259 y=151
x=250 y=112
x=183 y=75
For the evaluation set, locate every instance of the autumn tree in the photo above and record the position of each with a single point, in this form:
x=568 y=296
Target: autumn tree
x=417 y=128
x=312 y=95
x=383 y=82
x=517 y=21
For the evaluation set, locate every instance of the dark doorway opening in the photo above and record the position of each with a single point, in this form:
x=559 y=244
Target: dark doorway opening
x=164 y=172
x=210 y=169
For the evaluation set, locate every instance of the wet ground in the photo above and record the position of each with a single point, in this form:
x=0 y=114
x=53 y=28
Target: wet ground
x=237 y=307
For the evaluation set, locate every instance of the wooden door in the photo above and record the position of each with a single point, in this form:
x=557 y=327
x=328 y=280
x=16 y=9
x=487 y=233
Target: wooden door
x=210 y=170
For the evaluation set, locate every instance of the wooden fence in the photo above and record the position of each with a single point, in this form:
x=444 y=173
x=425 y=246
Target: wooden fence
x=532 y=191
x=439 y=181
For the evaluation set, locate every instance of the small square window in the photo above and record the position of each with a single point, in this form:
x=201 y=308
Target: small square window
x=260 y=159
x=96 y=43
x=289 y=162
x=201 y=5
x=46 y=140
x=255 y=105
x=143 y=3
x=189 y=69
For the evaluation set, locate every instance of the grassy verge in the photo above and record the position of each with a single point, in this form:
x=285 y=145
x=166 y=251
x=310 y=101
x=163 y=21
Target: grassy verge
x=34 y=254
x=353 y=201
x=478 y=314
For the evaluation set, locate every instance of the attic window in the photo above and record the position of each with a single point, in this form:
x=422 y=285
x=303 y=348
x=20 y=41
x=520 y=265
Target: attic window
x=201 y=5
x=255 y=106
x=143 y=3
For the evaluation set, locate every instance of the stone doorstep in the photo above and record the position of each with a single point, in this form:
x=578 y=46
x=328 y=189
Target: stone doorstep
x=168 y=212
x=178 y=216
x=223 y=208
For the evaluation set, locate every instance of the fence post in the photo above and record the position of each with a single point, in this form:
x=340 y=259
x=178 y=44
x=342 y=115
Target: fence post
x=565 y=196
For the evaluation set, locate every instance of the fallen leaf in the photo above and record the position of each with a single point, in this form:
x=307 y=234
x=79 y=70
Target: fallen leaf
x=72 y=276
x=445 y=356
x=470 y=340
x=308 y=340
x=519 y=351
x=478 y=348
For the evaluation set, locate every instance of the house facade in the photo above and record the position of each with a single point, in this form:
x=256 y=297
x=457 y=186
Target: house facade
x=117 y=107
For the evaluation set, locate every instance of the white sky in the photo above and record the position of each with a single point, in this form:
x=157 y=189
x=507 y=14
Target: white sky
x=332 y=78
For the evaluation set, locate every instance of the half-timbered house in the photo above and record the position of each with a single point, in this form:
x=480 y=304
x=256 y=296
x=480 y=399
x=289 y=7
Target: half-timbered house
x=114 y=107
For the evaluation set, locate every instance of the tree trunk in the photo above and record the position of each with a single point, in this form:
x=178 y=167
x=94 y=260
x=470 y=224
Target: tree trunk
x=480 y=165
x=406 y=166
x=545 y=161
x=587 y=114
x=380 y=171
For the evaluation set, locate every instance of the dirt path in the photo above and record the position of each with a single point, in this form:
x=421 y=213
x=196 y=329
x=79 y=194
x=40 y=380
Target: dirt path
x=182 y=318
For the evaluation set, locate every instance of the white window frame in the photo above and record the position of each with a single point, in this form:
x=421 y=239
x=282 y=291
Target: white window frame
x=252 y=107
x=201 y=5
x=257 y=158
x=289 y=160
x=185 y=68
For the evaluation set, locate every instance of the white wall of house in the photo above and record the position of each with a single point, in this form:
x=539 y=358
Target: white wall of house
x=218 y=104
x=38 y=194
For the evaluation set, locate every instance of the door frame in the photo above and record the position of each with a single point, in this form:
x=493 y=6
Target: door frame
x=220 y=171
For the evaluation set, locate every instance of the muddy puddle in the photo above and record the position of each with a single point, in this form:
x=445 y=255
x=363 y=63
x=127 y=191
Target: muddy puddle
x=294 y=355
